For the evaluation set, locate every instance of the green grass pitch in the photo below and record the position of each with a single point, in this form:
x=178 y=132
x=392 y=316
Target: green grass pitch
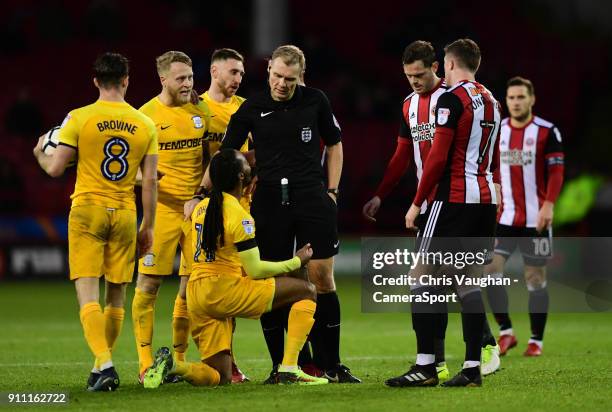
x=42 y=349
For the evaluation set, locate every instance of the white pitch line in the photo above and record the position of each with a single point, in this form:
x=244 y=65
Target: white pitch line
x=51 y=364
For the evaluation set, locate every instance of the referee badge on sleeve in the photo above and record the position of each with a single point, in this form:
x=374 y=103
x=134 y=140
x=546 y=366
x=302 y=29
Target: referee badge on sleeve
x=248 y=226
x=306 y=134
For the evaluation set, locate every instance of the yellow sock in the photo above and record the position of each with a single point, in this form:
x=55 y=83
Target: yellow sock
x=197 y=374
x=92 y=320
x=114 y=323
x=300 y=322
x=113 y=318
x=143 y=315
x=180 y=328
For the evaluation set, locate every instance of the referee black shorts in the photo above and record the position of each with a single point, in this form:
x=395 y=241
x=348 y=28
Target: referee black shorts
x=535 y=247
x=458 y=227
x=310 y=217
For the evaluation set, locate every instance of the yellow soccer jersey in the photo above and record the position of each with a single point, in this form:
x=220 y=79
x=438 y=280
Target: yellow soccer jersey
x=220 y=114
x=181 y=133
x=111 y=138
x=239 y=229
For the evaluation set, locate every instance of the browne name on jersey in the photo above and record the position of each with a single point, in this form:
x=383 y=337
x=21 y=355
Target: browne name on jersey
x=116 y=125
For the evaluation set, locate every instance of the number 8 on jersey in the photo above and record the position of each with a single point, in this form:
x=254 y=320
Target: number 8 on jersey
x=115 y=166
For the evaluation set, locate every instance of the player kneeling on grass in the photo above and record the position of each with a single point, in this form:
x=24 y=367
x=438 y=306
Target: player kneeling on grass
x=224 y=242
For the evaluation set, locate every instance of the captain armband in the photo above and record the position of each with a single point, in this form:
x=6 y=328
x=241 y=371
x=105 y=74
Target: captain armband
x=554 y=160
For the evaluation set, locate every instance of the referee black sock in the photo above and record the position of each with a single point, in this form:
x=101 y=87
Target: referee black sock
x=473 y=319
x=317 y=340
x=498 y=301
x=272 y=325
x=538 y=312
x=328 y=317
x=304 y=357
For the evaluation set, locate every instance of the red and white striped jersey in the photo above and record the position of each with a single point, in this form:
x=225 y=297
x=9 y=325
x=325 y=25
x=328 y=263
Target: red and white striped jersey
x=465 y=153
x=526 y=155
x=418 y=124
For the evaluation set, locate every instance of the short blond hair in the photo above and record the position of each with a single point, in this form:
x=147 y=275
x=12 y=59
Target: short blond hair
x=290 y=55
x=164 y=61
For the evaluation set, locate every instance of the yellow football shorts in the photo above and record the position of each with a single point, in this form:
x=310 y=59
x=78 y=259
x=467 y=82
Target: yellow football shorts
x=102 y=241
x=170 y=231
x=214 y=300
x=185 y=266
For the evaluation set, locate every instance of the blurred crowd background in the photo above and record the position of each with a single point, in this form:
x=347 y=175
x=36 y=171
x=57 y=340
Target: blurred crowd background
x=353 y=53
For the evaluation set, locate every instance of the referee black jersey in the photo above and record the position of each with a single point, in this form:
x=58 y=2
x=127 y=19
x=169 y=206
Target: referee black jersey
x=286 y=135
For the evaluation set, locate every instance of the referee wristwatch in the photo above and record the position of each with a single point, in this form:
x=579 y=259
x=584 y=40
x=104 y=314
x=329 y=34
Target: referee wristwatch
x=334 y=191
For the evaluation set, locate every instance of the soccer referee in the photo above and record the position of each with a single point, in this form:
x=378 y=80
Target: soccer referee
x=291 y=205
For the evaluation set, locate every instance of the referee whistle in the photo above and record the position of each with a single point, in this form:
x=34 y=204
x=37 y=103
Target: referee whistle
x=284 y=191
